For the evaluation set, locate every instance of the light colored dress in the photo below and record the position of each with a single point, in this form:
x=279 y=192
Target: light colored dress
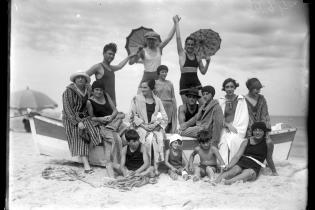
x=138 y=116
x=165 y=91
x=230 y=142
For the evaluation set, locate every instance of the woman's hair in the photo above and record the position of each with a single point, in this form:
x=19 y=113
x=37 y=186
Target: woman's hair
x=203 y=136
x=190 y=38
x=110 y=46
x=229 y=80
x=151 y=83
x=160 y=68
x=132 y=134
x=253 y=83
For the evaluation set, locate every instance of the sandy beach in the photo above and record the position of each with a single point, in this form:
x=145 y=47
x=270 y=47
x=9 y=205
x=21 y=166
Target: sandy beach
x=29 y=190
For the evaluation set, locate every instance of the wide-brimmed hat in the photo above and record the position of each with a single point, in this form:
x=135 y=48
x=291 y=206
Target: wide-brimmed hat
x=152 y=35
x=80 y=73
x=260 y=125
x=175 y=137
x=192 y=92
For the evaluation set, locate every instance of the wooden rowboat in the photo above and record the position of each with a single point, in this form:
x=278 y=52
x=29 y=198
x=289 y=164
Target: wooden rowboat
x=50 y=139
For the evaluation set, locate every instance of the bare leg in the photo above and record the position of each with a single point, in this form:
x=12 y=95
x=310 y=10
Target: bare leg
x=229 y=174
x=246 y=175
x=85 y=162
x=196 y=174
x=110 y=170
x=107 y=151
x=210 y=172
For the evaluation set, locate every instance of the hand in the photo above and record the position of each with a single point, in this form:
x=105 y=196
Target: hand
x=106 y=119
x=208 y=59
x=183 y=126
x=191 y=169
x=133 y=54
x=231 y=128
x=226 y=168
x=274 y=173
x=176 y=19
x=81 y=126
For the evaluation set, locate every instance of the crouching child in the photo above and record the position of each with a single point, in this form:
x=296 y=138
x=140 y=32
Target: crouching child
x=175 y=158
x=209 y=158
x=135 y=157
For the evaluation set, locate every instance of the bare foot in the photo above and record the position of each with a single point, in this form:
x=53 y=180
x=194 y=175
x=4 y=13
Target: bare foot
x=195 y=179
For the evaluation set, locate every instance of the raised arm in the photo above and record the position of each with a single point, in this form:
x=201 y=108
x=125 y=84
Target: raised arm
x=170 y=35
x=203 y=69
x=120 y=65
x=180 y=49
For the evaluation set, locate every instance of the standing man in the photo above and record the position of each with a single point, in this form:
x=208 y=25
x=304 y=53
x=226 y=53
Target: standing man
x=209 y=117
x=105 y=72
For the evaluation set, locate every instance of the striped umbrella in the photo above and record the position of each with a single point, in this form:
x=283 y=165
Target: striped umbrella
x=32 y=99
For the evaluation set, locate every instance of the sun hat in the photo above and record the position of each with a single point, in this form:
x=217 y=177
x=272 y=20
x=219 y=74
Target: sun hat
x=193 y=92
x=80 y=73
x=260 y=125
x=175 y=137
x=152 y=35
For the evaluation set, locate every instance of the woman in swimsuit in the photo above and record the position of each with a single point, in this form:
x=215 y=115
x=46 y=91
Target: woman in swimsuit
x=247 y=162
x=189 y=63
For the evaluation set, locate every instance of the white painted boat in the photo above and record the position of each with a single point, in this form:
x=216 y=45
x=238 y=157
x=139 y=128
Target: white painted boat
x=50 y=139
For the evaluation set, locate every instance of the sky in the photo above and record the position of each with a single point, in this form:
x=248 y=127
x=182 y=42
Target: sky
x=267 y=39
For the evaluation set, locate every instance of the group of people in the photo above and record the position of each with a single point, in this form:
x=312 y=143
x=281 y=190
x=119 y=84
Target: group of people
x=232 y=131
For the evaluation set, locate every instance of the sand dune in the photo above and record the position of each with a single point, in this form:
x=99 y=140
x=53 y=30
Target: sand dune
x=29 y=190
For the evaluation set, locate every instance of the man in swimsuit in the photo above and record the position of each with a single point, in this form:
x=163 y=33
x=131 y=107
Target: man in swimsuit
x=106 y=72
x=189 y=63
x=190 y=108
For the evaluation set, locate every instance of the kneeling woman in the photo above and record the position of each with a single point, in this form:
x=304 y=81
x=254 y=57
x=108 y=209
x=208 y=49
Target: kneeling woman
x=148 y=117
x=107 y=120
x=76 y=119
x=246 y=164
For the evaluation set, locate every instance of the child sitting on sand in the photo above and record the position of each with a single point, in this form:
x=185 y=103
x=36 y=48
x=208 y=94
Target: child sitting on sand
x=135 y=156
x=208 y=157
x=175 y=158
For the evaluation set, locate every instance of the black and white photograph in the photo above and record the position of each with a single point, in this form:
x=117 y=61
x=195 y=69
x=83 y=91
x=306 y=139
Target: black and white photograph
x=158 y=104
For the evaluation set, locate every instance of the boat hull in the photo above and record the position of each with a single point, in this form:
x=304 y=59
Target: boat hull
x=50 y=139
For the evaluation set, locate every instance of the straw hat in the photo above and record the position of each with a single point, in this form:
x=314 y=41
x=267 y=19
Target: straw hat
x=80 y=73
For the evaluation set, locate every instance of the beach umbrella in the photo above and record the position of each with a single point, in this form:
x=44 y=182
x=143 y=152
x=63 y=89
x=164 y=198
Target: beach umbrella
x=207 y=42
x=32 y=99
x=136 y=39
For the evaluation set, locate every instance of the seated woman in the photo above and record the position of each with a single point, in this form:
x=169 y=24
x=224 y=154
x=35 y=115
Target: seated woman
x=165 y=91
x=235 y=112
x=248 y=160
x=148 y=117
x=258 y=111
x=105 y=116
x=76 y=120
